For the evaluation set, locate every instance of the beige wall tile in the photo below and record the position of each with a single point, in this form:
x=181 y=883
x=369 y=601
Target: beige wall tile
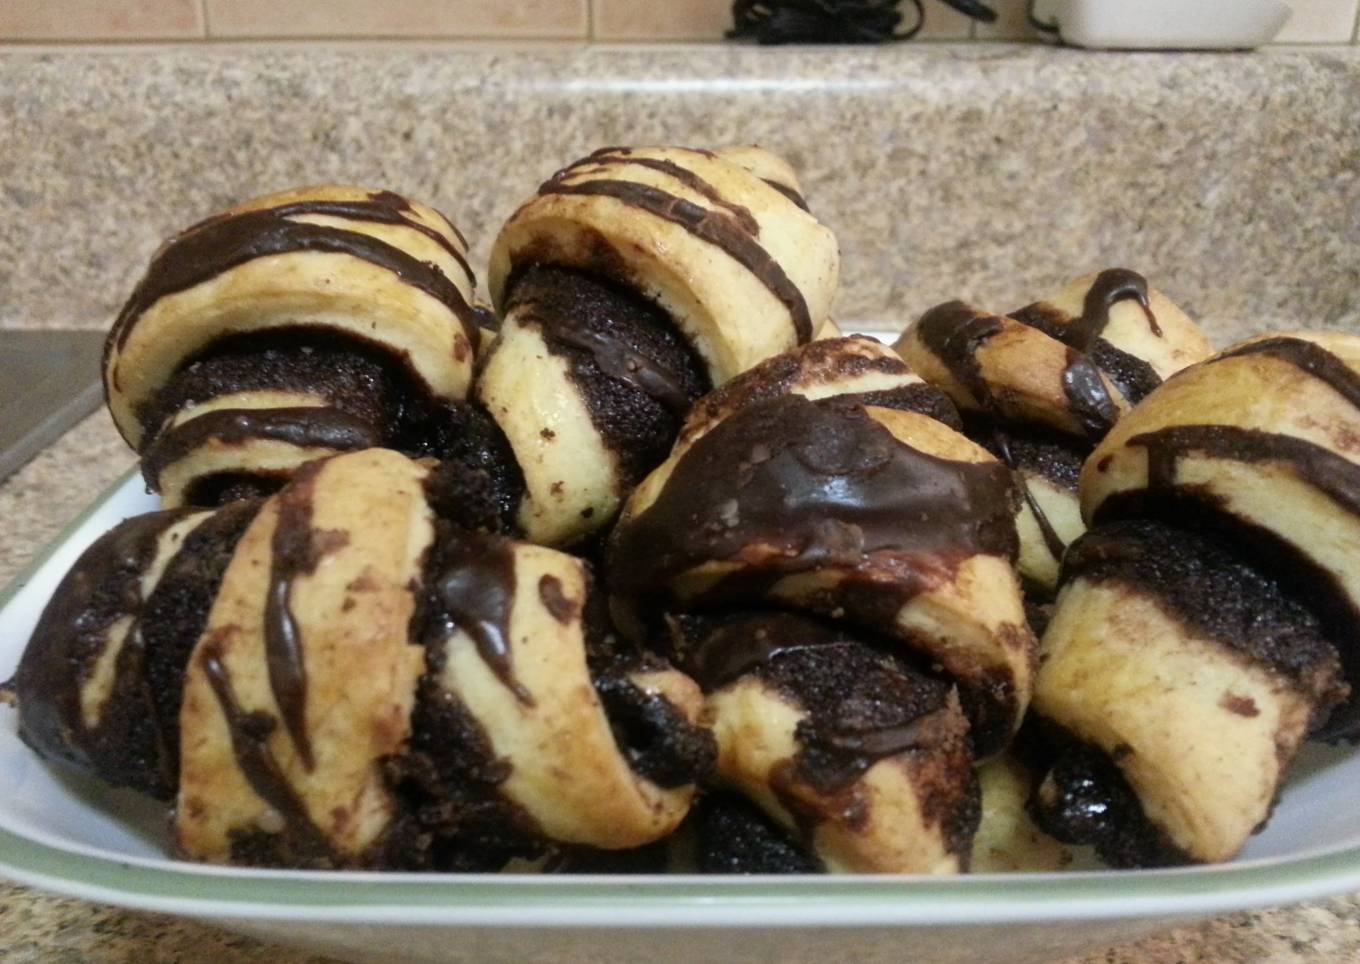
x=710 y=19
x=1319 y=21
x=100 y=19
x=398 y=18
x=1011 y=22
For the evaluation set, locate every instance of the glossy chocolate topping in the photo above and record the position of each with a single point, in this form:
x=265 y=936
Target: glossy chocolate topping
x=249 y=742
x=1088 y=396
x=1311 y=358
x=295 y=550
x=1110 y=287
x=303 y=427
x=718 y=229
x=791 y=485
x=470 y=584
x=953 y=332
x=624 y=156
x=1133 y=376
x=101 y=588
x=217 y=245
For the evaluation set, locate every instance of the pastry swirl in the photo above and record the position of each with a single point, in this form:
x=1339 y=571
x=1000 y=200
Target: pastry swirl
x=336 y=677
x=1041 y=386
x=630 y=284
x=1197 y=605
x=288 y=328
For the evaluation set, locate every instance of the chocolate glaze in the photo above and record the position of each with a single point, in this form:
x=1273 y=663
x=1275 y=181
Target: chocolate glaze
x=637 y=375
x=302 y=427
x=1134 y=377
x=1217 y=594
x=1311 y=358
x=344 y=373
x=619 y=156
x=295 y=550
x=125 y=749
x=830 y=362
x=804 y=485
x=222 y=243
x=719 y=230
x=1331 y=474
x=470 y=585
x=788 y=192
x=953 y=332
x=302 y=840
x=734 y=836
x=1110 y=287
x=1088 y=396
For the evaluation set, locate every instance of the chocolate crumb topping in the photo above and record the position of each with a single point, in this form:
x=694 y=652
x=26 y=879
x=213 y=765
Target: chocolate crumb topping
x=659 y=744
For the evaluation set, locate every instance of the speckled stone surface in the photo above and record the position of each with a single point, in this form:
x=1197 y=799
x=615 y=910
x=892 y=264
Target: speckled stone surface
x=991 y=172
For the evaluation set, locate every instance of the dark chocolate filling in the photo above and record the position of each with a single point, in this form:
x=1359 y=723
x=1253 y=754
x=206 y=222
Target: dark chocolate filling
x=734 y=836
x=718 y=229
x=1086 y=800
x=637 y=375
x=176 y=613
x=1134 y=377
x=222 y=488
x=659 y=744
x=300 y=427
x=478 y=483
x=125 y=749
x=1216 y=593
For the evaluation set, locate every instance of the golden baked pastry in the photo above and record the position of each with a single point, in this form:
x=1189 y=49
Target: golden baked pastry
x=1039 y=387
x=631 y=283
x=338 y=678
x=1214 y=596
x=289 y=327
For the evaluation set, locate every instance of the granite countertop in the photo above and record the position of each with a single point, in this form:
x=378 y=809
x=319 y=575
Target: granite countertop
x=44 y=495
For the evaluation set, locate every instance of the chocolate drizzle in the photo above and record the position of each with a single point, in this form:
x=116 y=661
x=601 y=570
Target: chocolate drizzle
x=1334 y=475
x=714 y=650
x=1310 y=357
x=1053 y=541
x=470 y=584
x=249 y=743
x=304 y=427
x=1110 y=287
x=953 y=332
x=715 y=228
x=623 y=156
x=219 y=244
x=788 y=192
x=792 y=485
x=1089 y=396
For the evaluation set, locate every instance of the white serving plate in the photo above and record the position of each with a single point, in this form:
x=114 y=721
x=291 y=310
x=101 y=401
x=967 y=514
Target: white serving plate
x=77 y=838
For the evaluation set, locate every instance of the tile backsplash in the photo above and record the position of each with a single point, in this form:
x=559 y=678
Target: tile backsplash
x=1314 y=21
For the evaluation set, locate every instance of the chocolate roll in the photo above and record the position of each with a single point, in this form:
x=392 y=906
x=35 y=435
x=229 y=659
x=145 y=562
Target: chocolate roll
x=288 y=328
x=1041 y=386
x=1206 y=624
x=857 y=762
x=884 y=518
x=630 y=284
x=338 y=678
x=98 y=684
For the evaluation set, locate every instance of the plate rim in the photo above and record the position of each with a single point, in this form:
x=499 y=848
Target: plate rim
x=203 y=891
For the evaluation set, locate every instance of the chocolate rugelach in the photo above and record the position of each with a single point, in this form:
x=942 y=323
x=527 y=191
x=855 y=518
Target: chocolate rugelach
x=290 y=327
x=632 y=283
x=1207 y=622
x=334 y=677
x=1041 y=386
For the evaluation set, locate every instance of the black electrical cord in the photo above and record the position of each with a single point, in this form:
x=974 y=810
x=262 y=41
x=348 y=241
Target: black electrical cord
x=835 y=21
